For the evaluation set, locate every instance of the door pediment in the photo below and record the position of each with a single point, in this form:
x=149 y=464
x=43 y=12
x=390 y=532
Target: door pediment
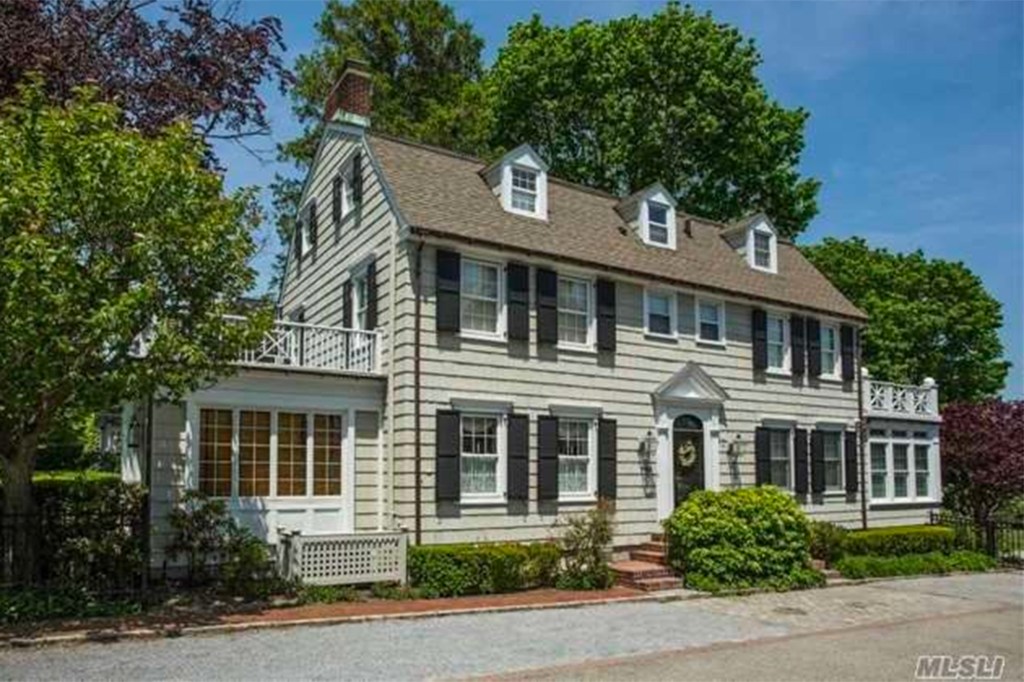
x=691 y=384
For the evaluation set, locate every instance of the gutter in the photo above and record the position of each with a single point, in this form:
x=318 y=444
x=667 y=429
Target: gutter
x=392 y=332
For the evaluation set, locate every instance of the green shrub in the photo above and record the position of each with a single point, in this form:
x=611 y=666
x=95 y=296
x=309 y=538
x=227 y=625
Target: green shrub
x=826 y=541
x=584 y=546
x=37 y=604
x=456 y=570
x=913 y=564
x=900 y=540
x=394 y=591
x=328 y=594
x=738 y=539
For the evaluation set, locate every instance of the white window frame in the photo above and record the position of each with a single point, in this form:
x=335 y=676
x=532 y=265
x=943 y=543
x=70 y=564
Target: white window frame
x=913 y=436
x=359 y=300
x=789 y=430
x=347 y=198
x=499 y=334
x=786 y=366
x=534 y=193
x=697 y=331
x=500 y=494
x=836 y=433
x=673 y=306
x=591 y=313
x=773 y=248
x=590 y=495
x=670 y=223
x=833 y=371
x=303 y=226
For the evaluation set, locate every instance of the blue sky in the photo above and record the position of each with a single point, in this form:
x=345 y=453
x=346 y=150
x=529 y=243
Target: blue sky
x=917 y=113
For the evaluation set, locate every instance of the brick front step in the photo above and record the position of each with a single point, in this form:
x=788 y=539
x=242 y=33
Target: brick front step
x=654 y=547
x=655 y=584
x=650 y=557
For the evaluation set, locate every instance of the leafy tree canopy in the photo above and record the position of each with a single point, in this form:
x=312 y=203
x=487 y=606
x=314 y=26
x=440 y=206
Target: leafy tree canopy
x=197 y=62
x=106 y=233
x=928 y=317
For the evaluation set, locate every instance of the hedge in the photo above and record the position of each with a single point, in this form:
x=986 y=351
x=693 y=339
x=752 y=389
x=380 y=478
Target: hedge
x=455 y=570
x=913 y=564
x=744 y=538
x=900 y=541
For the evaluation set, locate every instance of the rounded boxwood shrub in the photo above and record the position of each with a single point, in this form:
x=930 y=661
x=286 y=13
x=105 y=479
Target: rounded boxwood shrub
x=737 y=539
x=900 y=540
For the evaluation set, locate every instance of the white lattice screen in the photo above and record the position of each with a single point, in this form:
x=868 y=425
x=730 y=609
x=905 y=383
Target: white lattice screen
x=344 y=559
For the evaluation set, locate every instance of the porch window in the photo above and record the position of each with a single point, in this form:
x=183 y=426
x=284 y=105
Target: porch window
x=291 y=454
x=901 y=465
x=327 y=454
x=215 y=433
x=879 y=472
x=779 y=456
x=574 y=453
x=253 y=453
x=921 y=470
x=574 y=311
x=832 y=446
x=480 y=455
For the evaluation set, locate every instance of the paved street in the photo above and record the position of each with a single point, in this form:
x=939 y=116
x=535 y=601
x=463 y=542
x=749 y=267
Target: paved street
x=863 y=632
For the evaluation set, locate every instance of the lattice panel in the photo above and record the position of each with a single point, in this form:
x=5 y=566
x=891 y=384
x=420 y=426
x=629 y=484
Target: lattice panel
x=346 y=559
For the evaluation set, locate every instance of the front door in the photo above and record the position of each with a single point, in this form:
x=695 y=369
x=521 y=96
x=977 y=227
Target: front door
x=687 y=456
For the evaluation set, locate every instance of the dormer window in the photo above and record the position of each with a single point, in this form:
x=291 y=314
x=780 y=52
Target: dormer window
x=762 y=250
x=524 y=189
x=758 y=243
x=651 y=212
x=657 y=223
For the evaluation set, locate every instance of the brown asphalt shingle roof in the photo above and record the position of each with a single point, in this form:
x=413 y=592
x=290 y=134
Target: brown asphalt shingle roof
x=444 y=194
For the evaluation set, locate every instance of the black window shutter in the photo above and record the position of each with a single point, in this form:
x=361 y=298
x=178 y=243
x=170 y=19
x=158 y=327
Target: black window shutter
x=846 y=342
x=800 y=461
x=547 y=306
x=759 y=327
x=817 y=462
x=798 y=339
x=357 y=178
x=449 y=276
x=447 y=483
x=547 y=458
x=517 y=278
x=336 y=199
x=518 y=457
x=346 y=304
x=312 y=226
x=762 y=456
x=371 y=295
x=813 y=347
x=606 y=315
x=606 y=459
x=850 y=460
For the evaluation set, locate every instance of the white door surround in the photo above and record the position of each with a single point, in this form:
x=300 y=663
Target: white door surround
x=690 y=391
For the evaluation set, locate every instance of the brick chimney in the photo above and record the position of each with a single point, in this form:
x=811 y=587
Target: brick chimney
x=351 y=98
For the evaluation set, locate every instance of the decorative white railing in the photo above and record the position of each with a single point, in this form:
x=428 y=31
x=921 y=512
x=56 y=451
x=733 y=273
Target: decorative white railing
x=903 y=401
x=312 y=346
x=342 y=559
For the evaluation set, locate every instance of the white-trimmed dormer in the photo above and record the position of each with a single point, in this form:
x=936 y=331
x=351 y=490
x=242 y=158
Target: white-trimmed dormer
x=652 y=213
x=520 y=181
x=756 y=240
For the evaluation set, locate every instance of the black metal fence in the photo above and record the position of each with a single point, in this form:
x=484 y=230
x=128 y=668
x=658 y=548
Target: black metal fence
x=1002 y=539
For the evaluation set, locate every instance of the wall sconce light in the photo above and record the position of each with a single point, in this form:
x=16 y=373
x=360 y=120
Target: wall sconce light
x=133 y=433
x=734 y=446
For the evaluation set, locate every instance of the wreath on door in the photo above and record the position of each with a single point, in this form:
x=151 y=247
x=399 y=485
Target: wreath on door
x=686 y=454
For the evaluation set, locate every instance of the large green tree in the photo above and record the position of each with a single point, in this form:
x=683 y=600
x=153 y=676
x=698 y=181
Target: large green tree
x=107 y=236
x=928 y=317
x=673 y=97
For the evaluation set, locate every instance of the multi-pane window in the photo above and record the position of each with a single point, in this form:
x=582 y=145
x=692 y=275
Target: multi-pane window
x=763 y=250
x=361 y=294
x=921 y=470
x=480 y=455
x=253 y=453
x=480 y=296
x=573 y=311
x=879 y=466
x=829 y=349
x=779 y=457
x=657 y=223
x=900 y=469
x=901 y=465
x=215 y=435
x=660 y=315
x=832 y=448
x=291 y=453
x=524 y=190
x=574 y=457
x=709 y=319
x=327 y=454
x=776 y=342
x=347 y=195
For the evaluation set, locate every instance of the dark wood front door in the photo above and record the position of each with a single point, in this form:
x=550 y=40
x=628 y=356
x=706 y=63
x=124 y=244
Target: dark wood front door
x=687 y=456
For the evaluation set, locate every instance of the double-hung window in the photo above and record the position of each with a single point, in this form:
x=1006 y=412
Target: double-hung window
x=710 y=321
x=778 y=331
x=481 y=297
x=574 y=311
x=481 y=455
x=762 y=250
x=829 y=350
x=657 y=223
x=575 y=457
x=360 y=292
x=902 y=465
x=524 y=190
x=832 y=447
x=780 y=457
x=660 y=313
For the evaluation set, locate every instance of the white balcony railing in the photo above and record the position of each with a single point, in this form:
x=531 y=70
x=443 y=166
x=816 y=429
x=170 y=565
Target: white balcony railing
x=298 y=345
x=903 y=401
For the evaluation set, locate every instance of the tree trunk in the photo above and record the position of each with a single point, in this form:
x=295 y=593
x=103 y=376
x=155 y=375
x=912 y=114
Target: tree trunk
x=20 y=523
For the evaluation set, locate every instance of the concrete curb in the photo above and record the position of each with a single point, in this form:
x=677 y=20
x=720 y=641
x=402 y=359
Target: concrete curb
x=105 y=636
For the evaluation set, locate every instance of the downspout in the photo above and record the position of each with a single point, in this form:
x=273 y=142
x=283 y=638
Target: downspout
x=862 y=428
x=148 y=483
x=392 y=331
x=418 y=445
